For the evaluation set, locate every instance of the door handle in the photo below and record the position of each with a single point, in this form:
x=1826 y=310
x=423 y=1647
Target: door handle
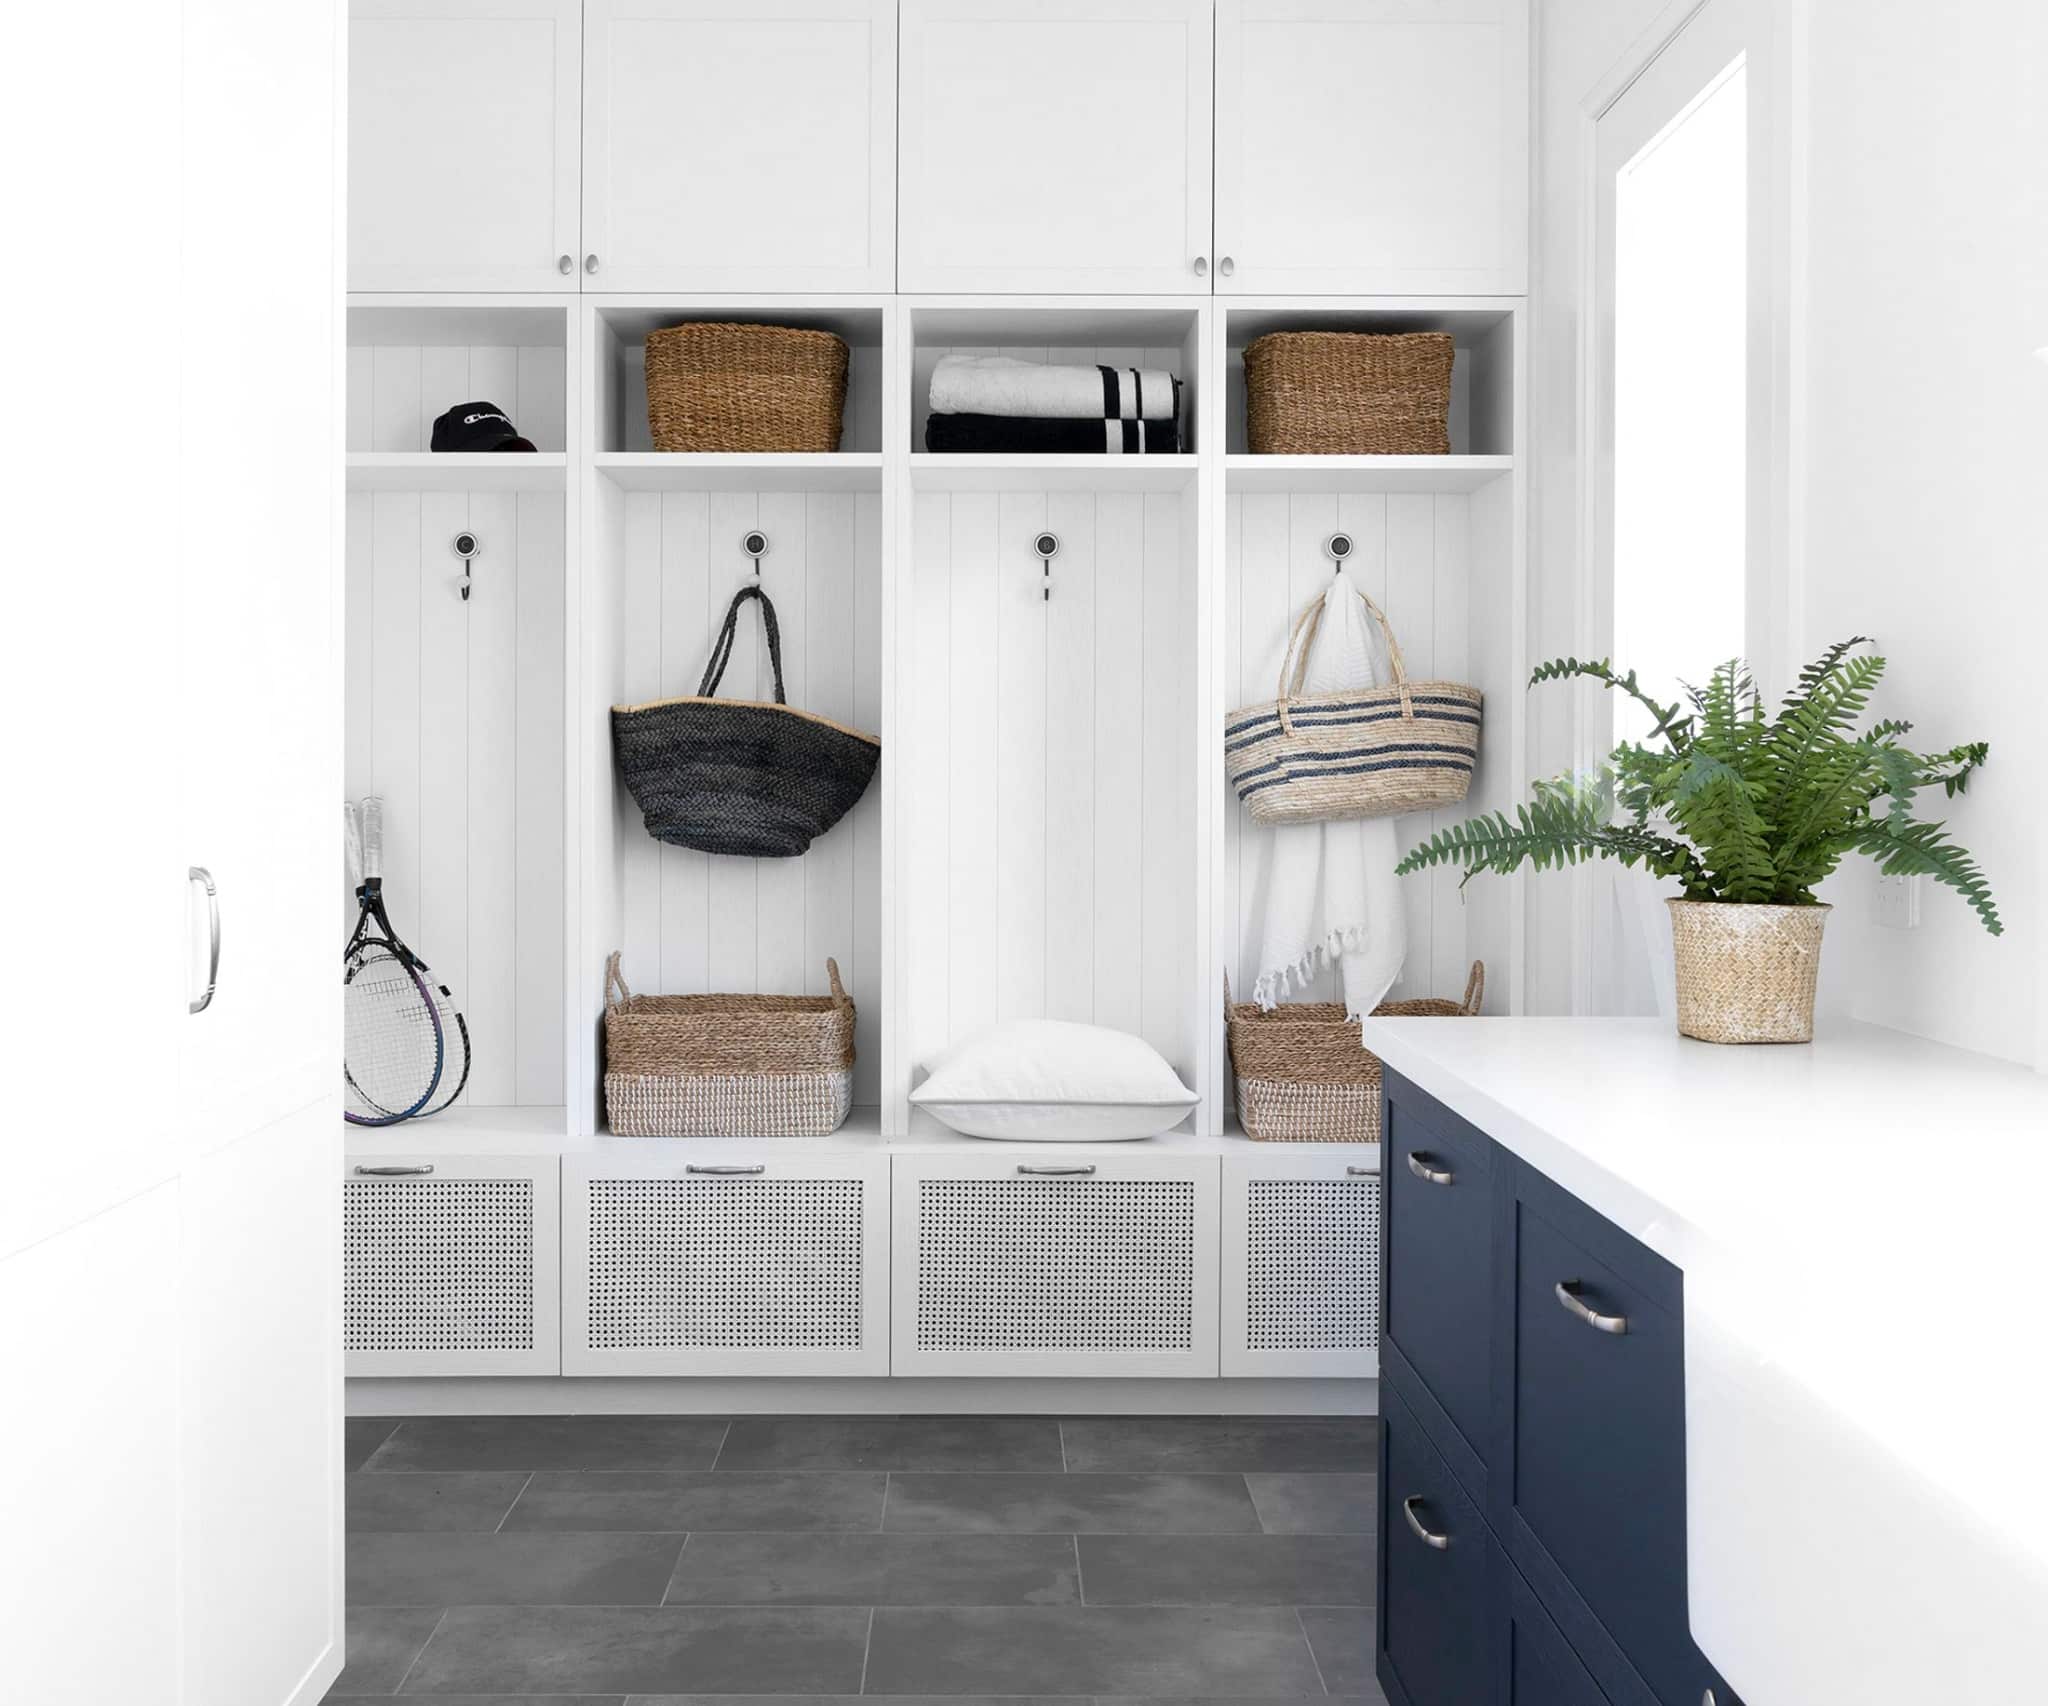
x=734 y=1171
x=1057 y=1172
x=1429 y=1537
x=201 y=875
x=411 y=1170
x=1576 y=1305
x=1419 y=1164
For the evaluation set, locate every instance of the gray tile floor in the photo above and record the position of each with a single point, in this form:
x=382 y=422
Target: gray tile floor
x=682 y=1561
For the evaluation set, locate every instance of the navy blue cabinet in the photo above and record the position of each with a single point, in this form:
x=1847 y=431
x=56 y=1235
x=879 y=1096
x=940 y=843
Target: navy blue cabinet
x=1539 y=1353
x=1439 y=1565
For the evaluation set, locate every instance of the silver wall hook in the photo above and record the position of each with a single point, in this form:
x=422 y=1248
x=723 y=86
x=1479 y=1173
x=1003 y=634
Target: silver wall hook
x=1047 y=545
x=468 y=547
x=1338 y=548
x=755 y=543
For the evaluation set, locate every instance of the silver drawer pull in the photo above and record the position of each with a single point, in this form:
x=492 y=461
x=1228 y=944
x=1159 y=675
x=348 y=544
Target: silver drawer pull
x=1576 y=1305
x=412 y=1170
x=735 y=1171
x=1419 y=1164
x=1428 y=1536
x=1057 y=1172
x=1361 y=1172
x=204 y=999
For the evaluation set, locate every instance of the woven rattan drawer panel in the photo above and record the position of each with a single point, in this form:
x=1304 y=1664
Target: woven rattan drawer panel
x=682 y=1264
x=1049 y=1265
x=1312 y=1257
x=439 y=1265
x=1301 y=1261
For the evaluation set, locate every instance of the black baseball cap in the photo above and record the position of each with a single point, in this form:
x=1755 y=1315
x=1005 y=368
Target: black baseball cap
x=478 y=426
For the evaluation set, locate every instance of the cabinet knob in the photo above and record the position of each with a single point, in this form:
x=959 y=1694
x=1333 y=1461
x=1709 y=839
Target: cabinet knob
x=566 y=265
x=1201 y=266
x=204 y=999
x=1226 y=266
x=590 y=263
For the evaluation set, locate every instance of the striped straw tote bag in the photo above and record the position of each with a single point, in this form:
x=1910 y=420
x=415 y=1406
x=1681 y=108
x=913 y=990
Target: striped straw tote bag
x=1407 y=747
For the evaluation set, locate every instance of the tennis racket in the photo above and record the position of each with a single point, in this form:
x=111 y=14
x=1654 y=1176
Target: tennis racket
x=405 y=1047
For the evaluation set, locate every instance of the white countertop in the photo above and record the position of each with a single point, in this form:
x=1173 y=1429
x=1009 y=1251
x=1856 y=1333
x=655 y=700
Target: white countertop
x=1863 y=1227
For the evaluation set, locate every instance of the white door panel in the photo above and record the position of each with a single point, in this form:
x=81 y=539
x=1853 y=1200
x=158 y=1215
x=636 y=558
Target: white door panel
x=1056 y=147
x=740 y=148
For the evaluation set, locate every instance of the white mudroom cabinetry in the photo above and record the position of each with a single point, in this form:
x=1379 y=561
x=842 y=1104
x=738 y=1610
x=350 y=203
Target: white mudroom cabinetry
x=1050 y=834
x=465 y=140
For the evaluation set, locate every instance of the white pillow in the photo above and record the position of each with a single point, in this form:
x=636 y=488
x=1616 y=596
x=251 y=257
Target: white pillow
x=1050 y=1081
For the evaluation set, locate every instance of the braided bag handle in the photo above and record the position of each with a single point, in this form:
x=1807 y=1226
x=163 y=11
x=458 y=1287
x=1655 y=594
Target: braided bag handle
x=721 y=650
x=1294 y=662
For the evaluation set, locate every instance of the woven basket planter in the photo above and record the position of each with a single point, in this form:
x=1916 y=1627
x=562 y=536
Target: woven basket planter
x=726 y=1065
x=715 y=386
x=1303 y=1076
x=1746 y=974
x=738 y=777
x=1408 y=747
x=1348 y=394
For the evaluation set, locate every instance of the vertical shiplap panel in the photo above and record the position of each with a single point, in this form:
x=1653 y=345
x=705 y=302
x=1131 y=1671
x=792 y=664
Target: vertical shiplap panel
x=1263 y=618
x=976 y=831
x=1230 y=890
x=780 y=884
x=489 y=990
x=1019 y=758
x=538 y=1074
x=685 y=643
x=395 y=398
x=1411 y=610
x=1449 y=958
x=443 y=822
x=829 y=641
x=1120 y=699
x=493 y=377
x=395 y=760
x=541 y=384
x=928 y=690
x=445 y=380
x=732 y=957
x=641 y=682
x=1070 y=741
x=1311 y=519
x=866 y=987
x=361 y=391
x=1168 y=925
x=1363 y=515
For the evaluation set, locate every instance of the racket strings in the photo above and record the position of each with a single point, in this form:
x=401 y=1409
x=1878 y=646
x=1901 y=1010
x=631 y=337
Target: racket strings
x=392 y=1036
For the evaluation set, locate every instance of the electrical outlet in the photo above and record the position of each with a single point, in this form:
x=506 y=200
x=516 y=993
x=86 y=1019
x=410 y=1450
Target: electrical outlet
x=1898 y=902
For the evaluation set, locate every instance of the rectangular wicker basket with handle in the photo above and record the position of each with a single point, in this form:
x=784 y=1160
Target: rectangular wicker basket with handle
x=1303 y=1076
x=726 y=1065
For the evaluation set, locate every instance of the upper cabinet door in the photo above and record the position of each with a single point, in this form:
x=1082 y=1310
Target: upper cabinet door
x=464 y=132
x=739 y=147
x=1372 y=146
x=1056 y=145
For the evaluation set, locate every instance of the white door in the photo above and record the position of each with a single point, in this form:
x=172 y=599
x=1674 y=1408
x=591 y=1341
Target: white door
x=168 y=1265
x=739 y=147
x=1372 y=146
x=1055 y=145
x=1688 y=302
x=464 y=133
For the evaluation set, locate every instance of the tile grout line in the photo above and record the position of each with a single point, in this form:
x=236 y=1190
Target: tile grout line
x=422 y=1653
x=723 y=1440
x=868 y=1646
x=1311 y=1646
x=1080 y=1580
x=514 y=1505
x=1060 y=1427
x=888 y=1481
x=675 y=1570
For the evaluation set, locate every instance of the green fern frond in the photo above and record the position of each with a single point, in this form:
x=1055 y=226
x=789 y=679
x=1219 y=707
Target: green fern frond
x=1668 y=719
x=1906 y=848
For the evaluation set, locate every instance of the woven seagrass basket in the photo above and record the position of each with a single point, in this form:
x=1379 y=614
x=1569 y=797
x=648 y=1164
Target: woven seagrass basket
x=726 y=1065
x=1348 y=394
x=716 y=386
x=1746 y=974
x=1303 y=1076
x=1376 y=752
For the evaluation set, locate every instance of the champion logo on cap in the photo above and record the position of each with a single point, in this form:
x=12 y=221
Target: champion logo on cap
x=477 y=426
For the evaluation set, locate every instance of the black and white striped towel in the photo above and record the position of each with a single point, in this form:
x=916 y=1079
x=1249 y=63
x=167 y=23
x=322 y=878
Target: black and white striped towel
x=1002 y=385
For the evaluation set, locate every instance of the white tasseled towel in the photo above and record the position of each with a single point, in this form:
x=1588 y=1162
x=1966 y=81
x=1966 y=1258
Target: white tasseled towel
x=1002 y=385
x=1330 y=887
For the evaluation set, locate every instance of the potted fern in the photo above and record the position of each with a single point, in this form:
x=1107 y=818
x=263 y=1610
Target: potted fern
x=1749 y=813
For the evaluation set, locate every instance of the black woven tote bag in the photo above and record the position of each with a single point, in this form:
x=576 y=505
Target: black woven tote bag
x=729 y=776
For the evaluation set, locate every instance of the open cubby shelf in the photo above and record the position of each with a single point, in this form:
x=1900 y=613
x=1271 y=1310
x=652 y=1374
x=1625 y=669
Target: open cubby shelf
x=1051 y=832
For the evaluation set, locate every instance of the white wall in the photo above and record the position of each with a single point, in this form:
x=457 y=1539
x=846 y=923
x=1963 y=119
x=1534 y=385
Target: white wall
x=1921 y=448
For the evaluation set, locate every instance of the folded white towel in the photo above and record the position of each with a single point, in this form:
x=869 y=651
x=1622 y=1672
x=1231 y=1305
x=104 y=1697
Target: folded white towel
x=1331 y=894
x=1002 y=385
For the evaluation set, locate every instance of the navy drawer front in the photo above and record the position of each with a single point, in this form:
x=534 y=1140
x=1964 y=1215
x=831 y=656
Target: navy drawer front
x=1539 y=1665
x=1438 y=1238
x=1597 y=1478
x=1435 y=1645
